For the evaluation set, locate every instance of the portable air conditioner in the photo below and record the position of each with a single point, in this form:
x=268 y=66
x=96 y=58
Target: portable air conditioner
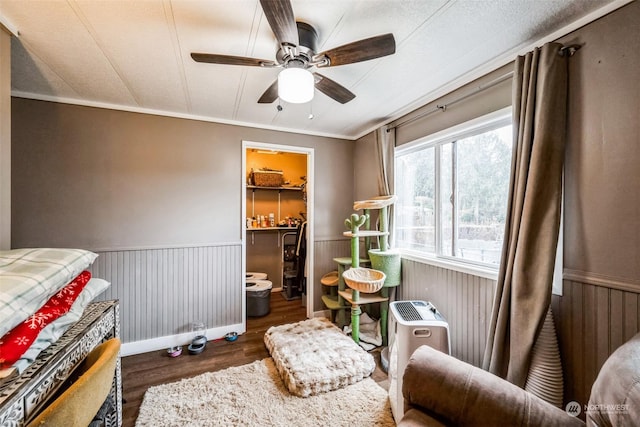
x=411 y=324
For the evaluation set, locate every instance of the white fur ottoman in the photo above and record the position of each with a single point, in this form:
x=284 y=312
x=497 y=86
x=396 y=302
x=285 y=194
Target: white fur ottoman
x=314 y=356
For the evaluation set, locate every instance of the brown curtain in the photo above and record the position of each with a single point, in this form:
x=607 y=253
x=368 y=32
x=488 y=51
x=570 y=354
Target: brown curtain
x=523 y=292
x=385 y=143
x=385 y=146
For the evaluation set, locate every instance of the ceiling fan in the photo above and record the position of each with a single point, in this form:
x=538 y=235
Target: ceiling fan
x=297 y=51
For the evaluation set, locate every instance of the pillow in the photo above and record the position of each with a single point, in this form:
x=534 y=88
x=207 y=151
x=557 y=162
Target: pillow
x=29 y=277
x=20 y=338
x=58 y=327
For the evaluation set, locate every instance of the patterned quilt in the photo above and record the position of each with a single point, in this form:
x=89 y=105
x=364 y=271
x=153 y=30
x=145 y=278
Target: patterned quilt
x=29 y=277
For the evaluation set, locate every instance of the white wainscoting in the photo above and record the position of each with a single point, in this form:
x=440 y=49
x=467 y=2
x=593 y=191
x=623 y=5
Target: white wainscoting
x=163 y=290
x=463 y=299
x=324 y=252
x=593 y=317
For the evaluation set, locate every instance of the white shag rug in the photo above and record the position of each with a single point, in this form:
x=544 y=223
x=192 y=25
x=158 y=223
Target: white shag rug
x=254 y=395
x=314 y=356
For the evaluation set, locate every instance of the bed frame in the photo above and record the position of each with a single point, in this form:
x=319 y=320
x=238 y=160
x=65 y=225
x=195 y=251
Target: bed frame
x=23 y=397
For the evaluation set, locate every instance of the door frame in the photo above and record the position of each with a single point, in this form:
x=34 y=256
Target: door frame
x=310 y=216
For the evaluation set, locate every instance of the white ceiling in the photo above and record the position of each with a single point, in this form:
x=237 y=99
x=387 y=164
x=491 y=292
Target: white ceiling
x=135 y=54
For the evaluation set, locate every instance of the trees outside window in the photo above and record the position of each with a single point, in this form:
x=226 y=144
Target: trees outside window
x=452 y=192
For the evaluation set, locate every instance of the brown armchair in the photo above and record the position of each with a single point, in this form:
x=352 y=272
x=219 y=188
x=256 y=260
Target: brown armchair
x=440 y=390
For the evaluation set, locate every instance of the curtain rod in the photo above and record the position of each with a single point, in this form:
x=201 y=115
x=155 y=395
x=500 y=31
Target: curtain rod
x=444 y=107
x=566 y=50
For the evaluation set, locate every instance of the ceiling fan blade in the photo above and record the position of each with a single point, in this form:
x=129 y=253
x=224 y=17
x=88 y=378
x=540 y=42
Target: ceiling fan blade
x=279 y=13
x=362 y=50
x=332 y=89
x=269 y=95
x=212 y=58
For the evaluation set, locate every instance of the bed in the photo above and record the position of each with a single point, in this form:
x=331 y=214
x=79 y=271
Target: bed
x=49 y=322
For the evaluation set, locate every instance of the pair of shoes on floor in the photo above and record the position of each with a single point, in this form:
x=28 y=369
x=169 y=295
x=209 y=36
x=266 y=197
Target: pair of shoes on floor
x=197 y=344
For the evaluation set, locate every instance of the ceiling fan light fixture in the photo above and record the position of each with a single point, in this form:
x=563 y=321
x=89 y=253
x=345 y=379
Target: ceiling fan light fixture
x=295 y=85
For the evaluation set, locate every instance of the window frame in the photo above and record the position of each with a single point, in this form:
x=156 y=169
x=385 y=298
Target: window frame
x=472 y=127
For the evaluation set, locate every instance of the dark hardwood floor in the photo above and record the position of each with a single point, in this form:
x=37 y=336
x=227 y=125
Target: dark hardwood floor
x=141 y=371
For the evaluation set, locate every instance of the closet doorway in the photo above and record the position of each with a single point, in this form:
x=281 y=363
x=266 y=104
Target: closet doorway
x=277 y=224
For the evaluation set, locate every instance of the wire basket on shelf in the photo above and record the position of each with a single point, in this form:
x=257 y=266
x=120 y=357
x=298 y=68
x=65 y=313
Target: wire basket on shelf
x=267 y=178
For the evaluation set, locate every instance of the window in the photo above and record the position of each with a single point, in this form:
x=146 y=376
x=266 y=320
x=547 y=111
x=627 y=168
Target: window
x=452 y=191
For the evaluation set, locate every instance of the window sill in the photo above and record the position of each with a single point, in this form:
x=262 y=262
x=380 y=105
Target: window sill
x=462 y=267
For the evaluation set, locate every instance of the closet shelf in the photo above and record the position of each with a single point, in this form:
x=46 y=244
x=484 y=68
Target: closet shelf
x=257 y=187
x=270 y=228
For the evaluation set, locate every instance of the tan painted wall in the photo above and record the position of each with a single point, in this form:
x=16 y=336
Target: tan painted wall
x=365 y=169
x=100 y=178
x=474 y=105
x=113 y=181
x=599 y=309
x=602 y=177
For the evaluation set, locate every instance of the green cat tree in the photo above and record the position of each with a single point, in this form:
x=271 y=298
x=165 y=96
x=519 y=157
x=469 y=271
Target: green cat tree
x=383 y=259
x=359 y=279
x=384 y=273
